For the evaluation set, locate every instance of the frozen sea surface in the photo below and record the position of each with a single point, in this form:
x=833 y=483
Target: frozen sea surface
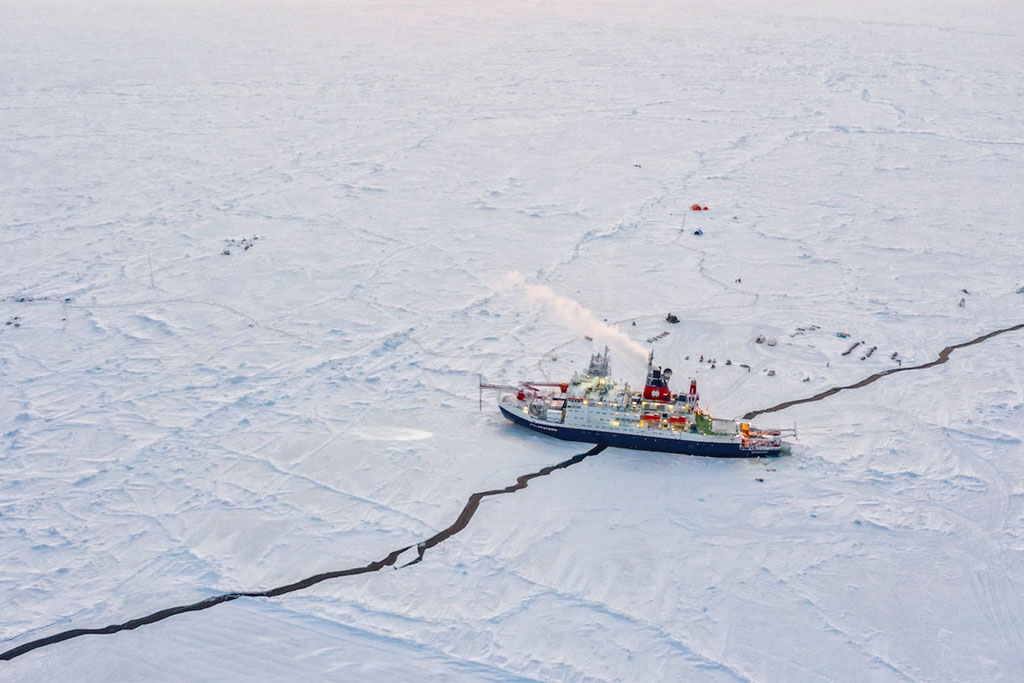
x=177 y=422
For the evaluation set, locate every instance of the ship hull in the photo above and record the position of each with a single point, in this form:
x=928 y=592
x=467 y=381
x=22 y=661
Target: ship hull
x=713 y=449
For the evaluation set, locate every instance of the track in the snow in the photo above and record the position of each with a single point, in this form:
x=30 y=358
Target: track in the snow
x=458 y=525
x=943 y=357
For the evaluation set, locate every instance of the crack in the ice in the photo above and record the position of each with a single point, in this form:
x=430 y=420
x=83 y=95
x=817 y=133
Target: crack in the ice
x=474 y=501
x=389 y=560
x=943 y=357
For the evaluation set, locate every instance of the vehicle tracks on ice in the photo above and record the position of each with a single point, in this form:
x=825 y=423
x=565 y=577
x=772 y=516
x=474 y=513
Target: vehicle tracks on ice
x=470 y=508
x=943 y=357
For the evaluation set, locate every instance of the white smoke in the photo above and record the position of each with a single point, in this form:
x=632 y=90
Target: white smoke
x=578 y=319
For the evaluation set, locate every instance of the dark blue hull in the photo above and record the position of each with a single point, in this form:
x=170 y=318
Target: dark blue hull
x=644 y=443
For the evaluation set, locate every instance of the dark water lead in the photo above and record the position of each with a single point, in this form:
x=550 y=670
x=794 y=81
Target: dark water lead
x=460 y=523
x=943 y=357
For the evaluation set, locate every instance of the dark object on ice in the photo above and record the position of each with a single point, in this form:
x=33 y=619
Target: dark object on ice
x=739 y=279
x=728 y=362
x=702 y=358
x=634 y=323
x=962 y=303
x=245 y=244
x=588 y=338
x=759 y=339
x=855 y=345
x=695 y=207
x=1021 y=290
x=965 y=291
x=671 y=318
x=894 y=354
x=759 y=479
x=843 y=335
x=712 y=366
x=744 y=365
x=807 y=379
x=698 y=232
x=771 y=373
x=871 y=351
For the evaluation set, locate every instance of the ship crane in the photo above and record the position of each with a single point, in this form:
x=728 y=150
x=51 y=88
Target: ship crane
x=524 y=390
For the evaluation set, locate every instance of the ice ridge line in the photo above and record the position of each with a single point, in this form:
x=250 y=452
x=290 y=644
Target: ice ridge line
x=943 y=357
x=460 y=523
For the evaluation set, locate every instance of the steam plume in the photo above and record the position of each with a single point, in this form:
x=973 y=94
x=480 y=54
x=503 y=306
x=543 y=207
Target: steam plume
x=578 y=319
